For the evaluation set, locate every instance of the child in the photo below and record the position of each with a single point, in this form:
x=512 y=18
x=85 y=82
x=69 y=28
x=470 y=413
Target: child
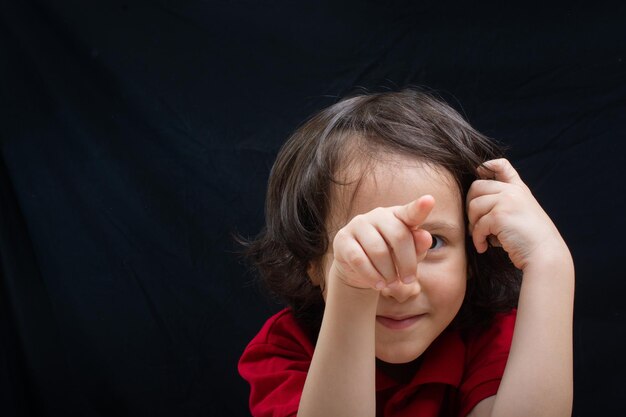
x=402 y=242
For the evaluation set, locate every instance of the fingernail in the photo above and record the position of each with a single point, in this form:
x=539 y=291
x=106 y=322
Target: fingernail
x=380 y=285
x=409 y=279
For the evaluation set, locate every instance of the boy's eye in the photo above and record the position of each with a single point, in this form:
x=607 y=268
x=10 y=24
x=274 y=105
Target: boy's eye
x=437 y=242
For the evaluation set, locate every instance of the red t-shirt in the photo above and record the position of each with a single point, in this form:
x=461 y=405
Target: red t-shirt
x=454 y=375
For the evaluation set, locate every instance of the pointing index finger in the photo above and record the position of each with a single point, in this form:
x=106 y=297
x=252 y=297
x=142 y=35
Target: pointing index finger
x=414 y=213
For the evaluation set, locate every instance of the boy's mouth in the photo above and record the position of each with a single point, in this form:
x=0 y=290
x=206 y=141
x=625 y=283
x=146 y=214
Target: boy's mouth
x=398 y=323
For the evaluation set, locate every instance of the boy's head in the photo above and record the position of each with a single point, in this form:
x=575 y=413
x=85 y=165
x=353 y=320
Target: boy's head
x=321 y=166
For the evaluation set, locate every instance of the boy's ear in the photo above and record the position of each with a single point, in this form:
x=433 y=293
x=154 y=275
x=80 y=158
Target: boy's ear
x=314 y=271
x=314 y=275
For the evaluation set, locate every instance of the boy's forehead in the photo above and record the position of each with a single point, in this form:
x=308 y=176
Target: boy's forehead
x=387 y=181
x=409 y=178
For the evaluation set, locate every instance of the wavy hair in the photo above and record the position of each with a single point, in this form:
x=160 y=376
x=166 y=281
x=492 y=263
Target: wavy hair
x=409 y=123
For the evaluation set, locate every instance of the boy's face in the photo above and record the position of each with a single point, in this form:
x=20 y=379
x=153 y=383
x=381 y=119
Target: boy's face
x=410 y=317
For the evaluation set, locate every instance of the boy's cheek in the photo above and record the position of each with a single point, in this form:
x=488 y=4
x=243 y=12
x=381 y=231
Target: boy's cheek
x=447 y=277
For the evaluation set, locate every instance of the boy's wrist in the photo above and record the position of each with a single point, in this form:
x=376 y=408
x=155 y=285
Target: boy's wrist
x=552 y=253
x=549 y=261
x=347 y=293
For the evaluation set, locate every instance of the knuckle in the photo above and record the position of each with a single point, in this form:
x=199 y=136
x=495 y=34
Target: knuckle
x=359 y=219
x=473 y=190
x=502 y=162
x=378 y=211
x=341 y=236
x=355 y=257
x=471 y=206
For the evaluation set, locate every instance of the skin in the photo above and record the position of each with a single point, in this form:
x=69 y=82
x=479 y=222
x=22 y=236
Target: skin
x=392 y=256
x=382 y=265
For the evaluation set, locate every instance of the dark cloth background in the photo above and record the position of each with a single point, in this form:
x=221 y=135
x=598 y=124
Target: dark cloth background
x=137 y=136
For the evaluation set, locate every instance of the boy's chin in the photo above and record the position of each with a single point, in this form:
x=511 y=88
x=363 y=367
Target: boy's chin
x=398 y=356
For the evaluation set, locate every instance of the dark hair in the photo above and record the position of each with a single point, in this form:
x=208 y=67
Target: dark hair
x=406 y=123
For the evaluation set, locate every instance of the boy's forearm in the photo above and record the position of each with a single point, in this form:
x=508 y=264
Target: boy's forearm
x=538 y=379
x=341 y=378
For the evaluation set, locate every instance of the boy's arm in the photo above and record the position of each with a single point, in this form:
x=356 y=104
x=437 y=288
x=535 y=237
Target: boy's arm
x=538 y=379
x=341 y=378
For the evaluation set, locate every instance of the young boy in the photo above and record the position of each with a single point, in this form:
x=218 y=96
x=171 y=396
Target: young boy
x=397 y=235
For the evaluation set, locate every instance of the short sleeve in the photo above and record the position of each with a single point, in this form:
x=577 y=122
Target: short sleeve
x=487 y=353
x=275 y=364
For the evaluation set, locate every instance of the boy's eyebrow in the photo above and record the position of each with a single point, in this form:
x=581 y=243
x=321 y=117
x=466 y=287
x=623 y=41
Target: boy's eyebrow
x=451 y=227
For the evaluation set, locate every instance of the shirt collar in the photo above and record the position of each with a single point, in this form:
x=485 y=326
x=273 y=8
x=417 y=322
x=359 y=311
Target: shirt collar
x=442 y=362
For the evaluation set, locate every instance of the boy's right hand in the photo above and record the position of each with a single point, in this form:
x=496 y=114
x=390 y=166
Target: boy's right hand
x=382 y=246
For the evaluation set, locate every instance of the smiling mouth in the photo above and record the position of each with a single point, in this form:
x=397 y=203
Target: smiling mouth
x=398 y=323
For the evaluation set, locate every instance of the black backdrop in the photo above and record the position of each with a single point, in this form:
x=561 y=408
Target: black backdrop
x=137 y=136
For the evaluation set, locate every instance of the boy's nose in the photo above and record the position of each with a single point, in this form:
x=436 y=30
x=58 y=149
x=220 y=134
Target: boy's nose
x=401 y=291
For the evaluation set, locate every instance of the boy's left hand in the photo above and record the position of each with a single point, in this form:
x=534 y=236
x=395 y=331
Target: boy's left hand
x=500 y=205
